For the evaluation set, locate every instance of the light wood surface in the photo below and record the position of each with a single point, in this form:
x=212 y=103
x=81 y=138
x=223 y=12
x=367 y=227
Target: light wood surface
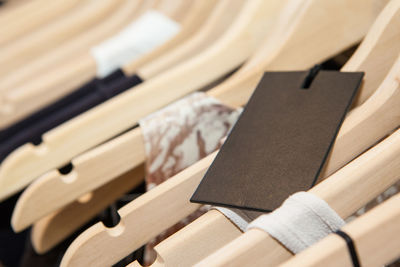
x=120 y=113
x=170 y=199
x=223 y=15
x=81 y=250
x=56 y=227
x=379 y=45
x=36 y=15
x=33 y=85
x=69 y=25
x=12 y=9
x=199 y=13
x=374 y=235
x=130 y=144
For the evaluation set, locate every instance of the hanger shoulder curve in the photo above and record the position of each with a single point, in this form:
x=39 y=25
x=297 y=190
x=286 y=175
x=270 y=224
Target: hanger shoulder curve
x=196 y=17
x=48 y=10
x=137 y=214
x=40 y=41
x=55 y=228
x=221 y=18
x=375 y=54
x=37 y=200
x=301 y=42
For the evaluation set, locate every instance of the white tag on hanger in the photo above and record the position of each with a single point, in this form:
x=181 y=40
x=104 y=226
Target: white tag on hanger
x=141 y=36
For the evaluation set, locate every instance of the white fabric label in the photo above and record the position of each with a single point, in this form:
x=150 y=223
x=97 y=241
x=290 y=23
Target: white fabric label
x=302 y=220
x=141 y=36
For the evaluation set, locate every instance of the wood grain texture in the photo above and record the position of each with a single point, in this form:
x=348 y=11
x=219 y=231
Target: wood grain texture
x=32 y=86
x=374 y=235
x=37 y=14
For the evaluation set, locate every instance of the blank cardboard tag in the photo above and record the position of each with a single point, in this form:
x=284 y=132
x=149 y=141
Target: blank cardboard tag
x=280 y=142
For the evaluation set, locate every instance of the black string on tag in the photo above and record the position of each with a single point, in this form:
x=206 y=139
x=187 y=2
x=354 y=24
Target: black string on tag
x=350 y=246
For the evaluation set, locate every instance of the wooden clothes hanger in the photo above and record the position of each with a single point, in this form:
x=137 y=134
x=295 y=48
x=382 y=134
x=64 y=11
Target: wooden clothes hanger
x=214 y=27
x=47 y=233
x=35 y=16
x=374 y=236
x=76 y=21
x=39 y=91
x=84 y=166
x=33 y=76
x=10 y=9
x=200 y=13
x=129 y=216
x=121 y=113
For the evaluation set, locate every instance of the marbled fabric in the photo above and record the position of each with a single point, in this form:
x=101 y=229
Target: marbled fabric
x=178 y=136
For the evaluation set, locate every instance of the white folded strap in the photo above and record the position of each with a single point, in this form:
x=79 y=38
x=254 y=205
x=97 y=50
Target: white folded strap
x=302 y=220
x=141 y=36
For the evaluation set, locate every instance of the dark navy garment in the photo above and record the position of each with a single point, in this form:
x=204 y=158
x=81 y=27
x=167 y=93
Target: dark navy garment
x=30 y=129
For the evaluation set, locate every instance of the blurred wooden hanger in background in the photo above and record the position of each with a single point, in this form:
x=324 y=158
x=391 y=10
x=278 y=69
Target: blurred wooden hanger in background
x=36 y=14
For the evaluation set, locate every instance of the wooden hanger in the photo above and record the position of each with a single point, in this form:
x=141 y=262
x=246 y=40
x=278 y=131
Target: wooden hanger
x=214 y=27
x=128 y=216
x=200 y=12
x=37 y=14
x=10 y=5
x=121 y=113
x=374 y=236
x=39 y=92
x=51 y=230
x=86 y=179
x=10 y=9
x=33 y=77
x=20 y=101
x=76 y=21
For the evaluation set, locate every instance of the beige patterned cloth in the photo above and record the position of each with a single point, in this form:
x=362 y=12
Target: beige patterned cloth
x=178 y=136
